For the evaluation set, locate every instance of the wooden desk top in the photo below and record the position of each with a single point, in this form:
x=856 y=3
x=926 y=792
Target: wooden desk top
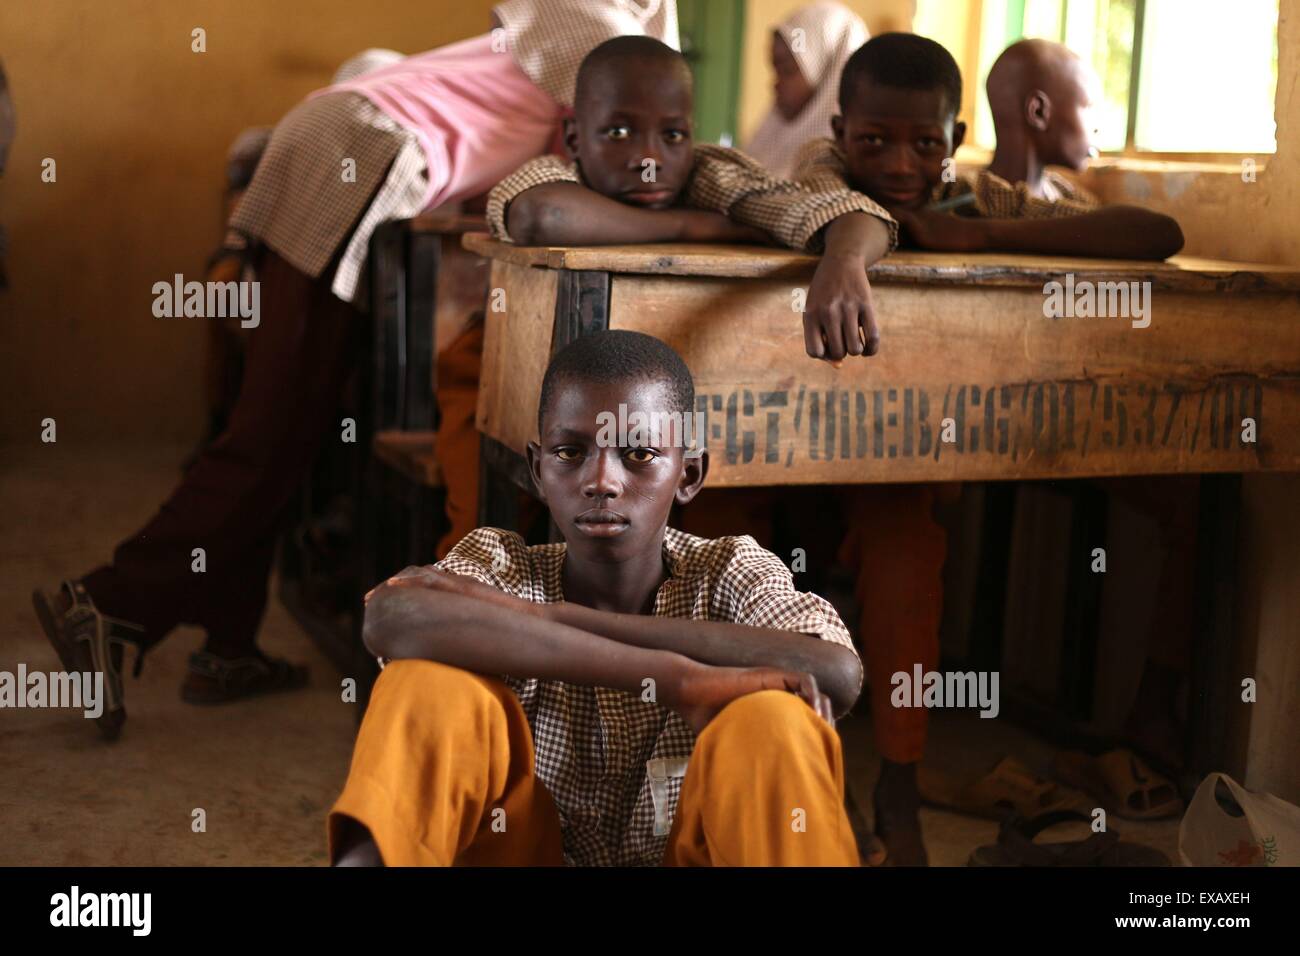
x=993 y=389
x=1182 y=273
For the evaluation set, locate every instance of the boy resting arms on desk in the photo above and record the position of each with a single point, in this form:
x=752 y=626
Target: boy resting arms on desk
x=637 y=176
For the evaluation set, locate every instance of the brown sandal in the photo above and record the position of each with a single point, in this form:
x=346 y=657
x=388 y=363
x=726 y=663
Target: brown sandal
x=231 y=679
x=1009 y=788
x=89 y=641
x=1016 y=846
x=1123 y=783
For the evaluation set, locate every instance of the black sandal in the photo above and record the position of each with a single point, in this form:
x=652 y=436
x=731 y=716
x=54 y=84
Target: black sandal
x=238 y=678
x=87 y=640
x=1016 y=846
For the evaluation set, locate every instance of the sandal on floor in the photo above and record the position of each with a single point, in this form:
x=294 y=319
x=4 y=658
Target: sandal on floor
x=230 y=679
x=1016 y=846
x=87 y=641
x=1009 y=788
x=1123 y=783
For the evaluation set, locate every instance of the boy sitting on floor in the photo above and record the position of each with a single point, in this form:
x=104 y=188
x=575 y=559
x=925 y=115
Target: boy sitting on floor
x=637 y=176
x=898 y=130
x=631 y=647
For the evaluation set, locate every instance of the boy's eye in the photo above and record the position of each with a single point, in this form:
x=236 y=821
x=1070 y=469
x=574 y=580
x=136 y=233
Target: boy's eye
x=640 y=456
x=618 y=132
x=568 y=454
x=871 y=139
x=675 y=136
x=928 y=143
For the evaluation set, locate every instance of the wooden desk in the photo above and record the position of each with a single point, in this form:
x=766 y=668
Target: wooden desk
x=963 y=337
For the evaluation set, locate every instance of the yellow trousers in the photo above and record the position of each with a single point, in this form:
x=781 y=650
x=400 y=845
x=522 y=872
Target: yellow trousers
x=441 y=750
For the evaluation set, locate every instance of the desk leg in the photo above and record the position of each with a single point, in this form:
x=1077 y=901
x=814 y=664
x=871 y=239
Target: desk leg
x=423 y=259
x=581 y=307
x=1214 y=637
x=502 y=475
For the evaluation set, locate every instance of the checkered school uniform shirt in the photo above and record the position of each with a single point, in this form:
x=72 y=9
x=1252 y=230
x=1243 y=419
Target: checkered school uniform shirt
x=613 y=762
x=821 y=166
x=724 y=180
x=549 y=38
x=299 y=204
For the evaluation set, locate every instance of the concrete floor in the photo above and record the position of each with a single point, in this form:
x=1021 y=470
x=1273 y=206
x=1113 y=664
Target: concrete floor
x=264 y=771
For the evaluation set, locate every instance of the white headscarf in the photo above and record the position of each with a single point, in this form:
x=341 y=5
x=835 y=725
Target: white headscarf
x=822 y=37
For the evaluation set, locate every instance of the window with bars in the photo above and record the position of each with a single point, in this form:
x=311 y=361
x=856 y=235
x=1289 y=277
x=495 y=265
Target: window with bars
x=1177 y=76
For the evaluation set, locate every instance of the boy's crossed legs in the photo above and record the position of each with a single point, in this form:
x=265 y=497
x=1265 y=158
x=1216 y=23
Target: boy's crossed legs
x=442 y=749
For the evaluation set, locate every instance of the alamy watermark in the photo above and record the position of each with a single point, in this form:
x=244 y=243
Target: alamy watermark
x=1085 y=299
x=209 y=300
x=623 y=429
x=75 y=908
x=950 y=689
x=60 y=689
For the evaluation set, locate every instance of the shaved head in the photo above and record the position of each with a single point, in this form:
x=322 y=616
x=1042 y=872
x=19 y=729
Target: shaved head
x=1040 y=94
x=627 y=59
x=631 y=132
x=1030 y=65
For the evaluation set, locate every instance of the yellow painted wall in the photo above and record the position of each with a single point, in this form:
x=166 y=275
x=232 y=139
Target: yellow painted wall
x=139 y=126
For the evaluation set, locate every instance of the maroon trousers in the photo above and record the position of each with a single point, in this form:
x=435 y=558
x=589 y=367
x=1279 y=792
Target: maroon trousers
x=230 y=501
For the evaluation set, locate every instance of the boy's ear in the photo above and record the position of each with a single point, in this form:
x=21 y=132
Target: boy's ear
x=694 y=470
x=1038 y=110
x=837 y=129
x=571 y=137
x=958 y=134
x=534 y=455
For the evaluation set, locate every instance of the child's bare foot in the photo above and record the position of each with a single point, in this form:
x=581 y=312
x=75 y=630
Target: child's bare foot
x=898 y=819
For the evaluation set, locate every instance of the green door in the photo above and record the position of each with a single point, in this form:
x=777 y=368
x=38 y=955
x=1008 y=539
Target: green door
x=712 y=32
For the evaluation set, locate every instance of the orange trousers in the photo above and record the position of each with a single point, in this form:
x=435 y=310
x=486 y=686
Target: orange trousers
x=897 y=550
x=441 y=750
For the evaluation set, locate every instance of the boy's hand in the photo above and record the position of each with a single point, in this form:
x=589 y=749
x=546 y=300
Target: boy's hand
x=702 y=693
x=701 y=225
x=839 y=318
x=941 y=231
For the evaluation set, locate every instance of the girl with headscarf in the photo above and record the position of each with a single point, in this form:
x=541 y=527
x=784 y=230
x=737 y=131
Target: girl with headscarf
x=809 y=51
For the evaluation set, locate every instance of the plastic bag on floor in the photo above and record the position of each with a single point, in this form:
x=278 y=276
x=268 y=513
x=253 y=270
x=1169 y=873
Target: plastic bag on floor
x=1228 y=825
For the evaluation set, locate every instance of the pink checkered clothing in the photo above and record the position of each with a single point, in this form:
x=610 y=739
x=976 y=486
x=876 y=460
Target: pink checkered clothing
x=428 y=130
x=613 y=762
x=723 y=180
